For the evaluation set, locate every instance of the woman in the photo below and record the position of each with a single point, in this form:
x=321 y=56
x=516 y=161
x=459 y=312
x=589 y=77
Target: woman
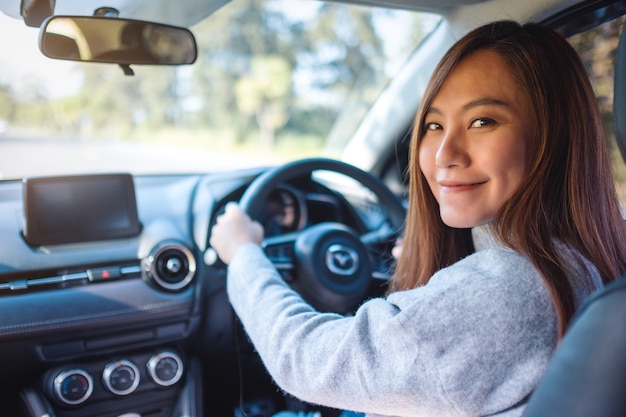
x=513 y=220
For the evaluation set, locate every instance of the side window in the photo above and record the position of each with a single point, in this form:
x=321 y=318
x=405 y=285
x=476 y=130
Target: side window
x=598 y=48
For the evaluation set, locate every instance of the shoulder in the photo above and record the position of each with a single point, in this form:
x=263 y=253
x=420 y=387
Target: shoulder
x=491 y=317
x=495 y=265
x=491 y=291
x=491 y=262
x=496 y=271
x=499 y=282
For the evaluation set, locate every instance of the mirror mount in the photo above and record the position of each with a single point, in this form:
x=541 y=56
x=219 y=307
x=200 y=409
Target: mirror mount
x=113 y=13
x=128 y=71
x=106 y=12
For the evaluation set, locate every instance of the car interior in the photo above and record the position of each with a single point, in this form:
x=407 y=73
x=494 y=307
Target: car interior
x=113 y=303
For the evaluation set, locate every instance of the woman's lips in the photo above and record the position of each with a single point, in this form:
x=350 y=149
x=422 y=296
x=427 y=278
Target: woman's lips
x=453 y=187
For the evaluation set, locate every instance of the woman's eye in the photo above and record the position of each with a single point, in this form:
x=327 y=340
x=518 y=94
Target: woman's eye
x=432 y=126
x=482 y=122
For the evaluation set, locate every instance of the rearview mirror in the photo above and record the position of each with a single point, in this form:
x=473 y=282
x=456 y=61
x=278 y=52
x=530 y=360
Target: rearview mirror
x=115 y=40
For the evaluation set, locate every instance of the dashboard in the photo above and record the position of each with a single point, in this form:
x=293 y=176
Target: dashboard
x=132 y=305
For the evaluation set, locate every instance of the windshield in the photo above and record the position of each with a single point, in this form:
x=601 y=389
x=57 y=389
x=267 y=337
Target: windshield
x=274 y=80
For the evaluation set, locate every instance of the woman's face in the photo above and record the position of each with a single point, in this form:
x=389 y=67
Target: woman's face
x=478 y=131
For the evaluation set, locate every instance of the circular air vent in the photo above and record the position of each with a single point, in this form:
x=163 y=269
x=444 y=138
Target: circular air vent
x=170 y=266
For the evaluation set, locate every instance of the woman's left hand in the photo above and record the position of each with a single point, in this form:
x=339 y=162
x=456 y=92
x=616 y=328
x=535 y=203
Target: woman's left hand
x=233 y=229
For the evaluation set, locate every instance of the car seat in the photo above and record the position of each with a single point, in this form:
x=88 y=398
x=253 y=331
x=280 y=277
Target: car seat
x=587 y=375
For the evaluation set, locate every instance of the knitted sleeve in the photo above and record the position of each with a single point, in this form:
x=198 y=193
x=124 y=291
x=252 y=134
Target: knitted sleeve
x=474 y=341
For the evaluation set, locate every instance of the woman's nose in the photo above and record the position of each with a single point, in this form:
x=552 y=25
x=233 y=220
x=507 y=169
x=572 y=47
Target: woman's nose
x=452 y=150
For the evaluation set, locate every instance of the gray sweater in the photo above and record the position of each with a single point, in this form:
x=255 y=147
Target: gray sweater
x=474 y=341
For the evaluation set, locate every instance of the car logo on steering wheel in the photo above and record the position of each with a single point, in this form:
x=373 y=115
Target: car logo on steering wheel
x=342 y=260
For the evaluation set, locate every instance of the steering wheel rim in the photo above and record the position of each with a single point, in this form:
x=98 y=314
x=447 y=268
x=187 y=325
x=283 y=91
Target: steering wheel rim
x=318 y=246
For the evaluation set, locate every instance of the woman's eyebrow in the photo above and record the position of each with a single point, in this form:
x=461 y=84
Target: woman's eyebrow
x=483 y=101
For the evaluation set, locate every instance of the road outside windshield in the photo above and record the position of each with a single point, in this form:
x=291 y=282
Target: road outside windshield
x=275 y=80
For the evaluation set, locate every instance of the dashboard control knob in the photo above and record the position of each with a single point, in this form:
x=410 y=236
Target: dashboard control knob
x=165 y=368
x=121 y=377
x=73 y=387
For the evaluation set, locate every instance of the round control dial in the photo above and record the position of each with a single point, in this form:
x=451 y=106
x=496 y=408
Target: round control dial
x=73 y=387
x=165 y=368
x=121 y=377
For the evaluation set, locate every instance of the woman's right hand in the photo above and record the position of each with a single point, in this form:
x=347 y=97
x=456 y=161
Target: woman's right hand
x=233 y=229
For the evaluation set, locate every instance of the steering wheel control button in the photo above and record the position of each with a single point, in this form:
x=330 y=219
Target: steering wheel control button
x=121 y=377
x=165 y=368
x=73 y=387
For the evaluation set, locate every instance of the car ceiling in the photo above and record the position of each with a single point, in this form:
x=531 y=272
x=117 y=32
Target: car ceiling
x=462 y=14
x=183 y=13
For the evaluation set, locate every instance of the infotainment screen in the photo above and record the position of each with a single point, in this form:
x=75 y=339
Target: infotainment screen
x=71 y=209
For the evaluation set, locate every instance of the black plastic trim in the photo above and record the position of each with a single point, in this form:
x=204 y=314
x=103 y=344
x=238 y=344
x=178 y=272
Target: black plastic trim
x=584 y=16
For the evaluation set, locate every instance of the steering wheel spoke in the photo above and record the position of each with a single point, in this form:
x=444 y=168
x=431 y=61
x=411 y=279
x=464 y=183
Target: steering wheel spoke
x=280 y=251
x=382 y=235
x=382 y=266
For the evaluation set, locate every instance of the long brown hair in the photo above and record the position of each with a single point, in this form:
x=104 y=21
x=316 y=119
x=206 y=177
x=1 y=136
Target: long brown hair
x=568 y=195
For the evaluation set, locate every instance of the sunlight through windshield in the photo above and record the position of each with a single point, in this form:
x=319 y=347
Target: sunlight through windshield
x=274 y=80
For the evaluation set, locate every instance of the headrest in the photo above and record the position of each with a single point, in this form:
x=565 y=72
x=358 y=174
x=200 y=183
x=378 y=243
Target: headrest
x=61 y=46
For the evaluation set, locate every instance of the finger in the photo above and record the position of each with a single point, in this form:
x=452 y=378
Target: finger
x=233 y=208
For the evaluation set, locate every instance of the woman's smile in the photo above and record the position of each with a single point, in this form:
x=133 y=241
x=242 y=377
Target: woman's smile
x=458 y=187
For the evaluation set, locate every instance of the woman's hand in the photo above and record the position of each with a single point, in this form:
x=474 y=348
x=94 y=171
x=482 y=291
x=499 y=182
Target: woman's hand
x=233 y=229
x=396 y=251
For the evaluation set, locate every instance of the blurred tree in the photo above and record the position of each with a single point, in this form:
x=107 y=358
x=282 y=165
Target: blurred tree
x=7 y=104
x=598 y=48
x=346 y=41
x=228 y=43
x=313 y=57
x=327 y=52
x=265 y=92
x=148 y=100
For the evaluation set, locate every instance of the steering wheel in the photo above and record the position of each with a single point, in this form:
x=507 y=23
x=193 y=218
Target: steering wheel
x=328 y=264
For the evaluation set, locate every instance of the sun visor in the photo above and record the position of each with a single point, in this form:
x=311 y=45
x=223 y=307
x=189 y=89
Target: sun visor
x=176 y=13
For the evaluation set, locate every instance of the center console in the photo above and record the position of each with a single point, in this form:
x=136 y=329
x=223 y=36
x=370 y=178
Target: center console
x=158 y=383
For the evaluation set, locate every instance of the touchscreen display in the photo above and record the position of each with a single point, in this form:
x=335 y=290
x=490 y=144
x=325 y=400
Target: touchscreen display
x=72 y=209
